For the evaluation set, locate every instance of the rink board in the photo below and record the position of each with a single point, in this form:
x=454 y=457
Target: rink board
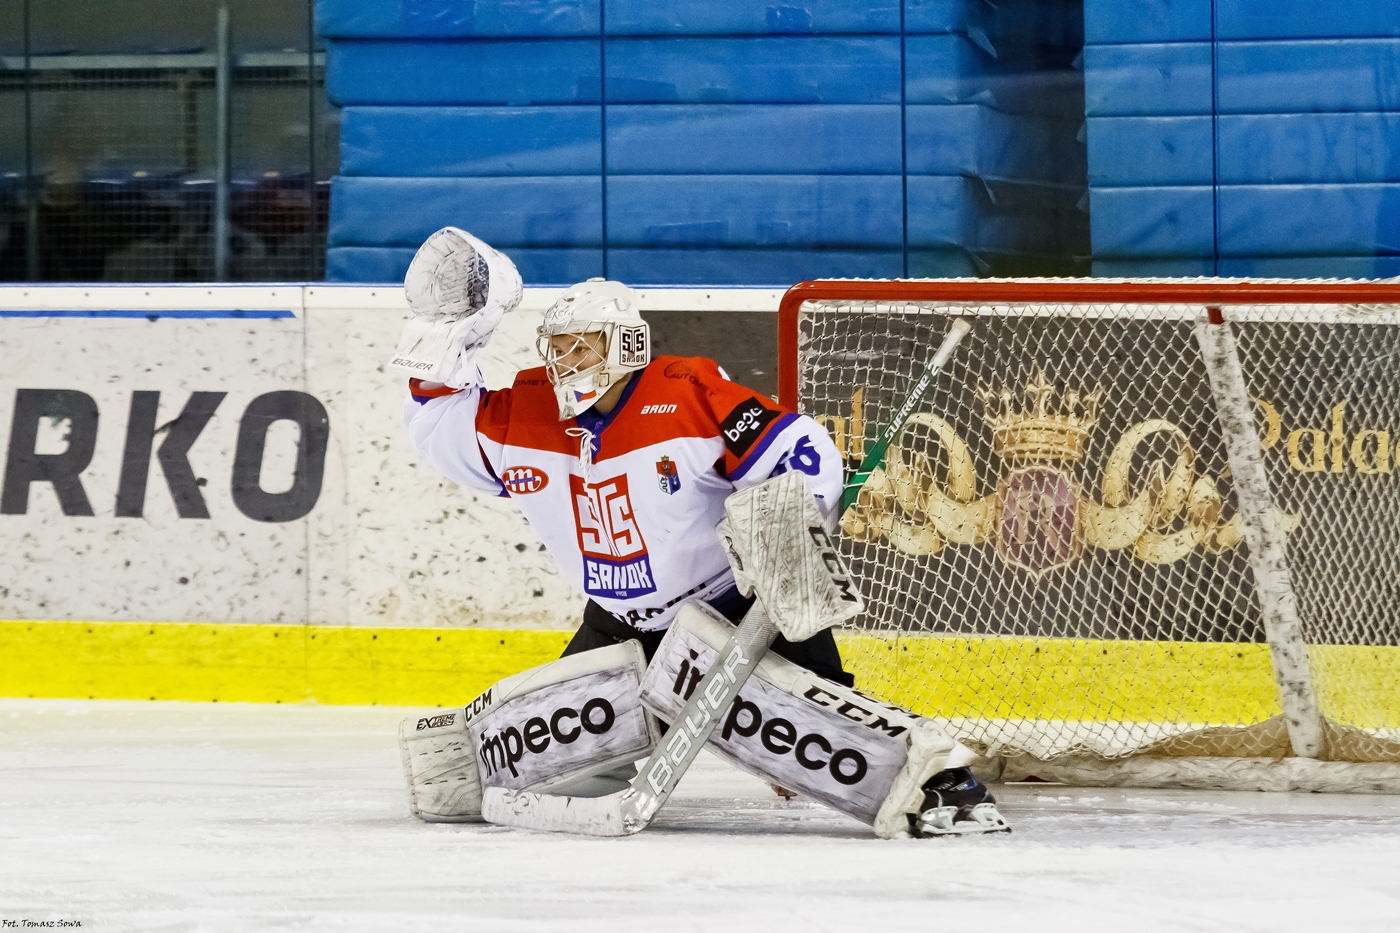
x=1060 y=679
x=142 y=443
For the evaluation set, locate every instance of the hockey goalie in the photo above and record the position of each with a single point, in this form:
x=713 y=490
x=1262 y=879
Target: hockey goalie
x=624 y=464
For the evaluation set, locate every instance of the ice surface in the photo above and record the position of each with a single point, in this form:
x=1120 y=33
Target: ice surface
x=187 y=816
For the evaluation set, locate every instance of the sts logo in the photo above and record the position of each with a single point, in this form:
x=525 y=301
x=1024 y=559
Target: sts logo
x=615 y=561
x=520 y=480
x=669 y=479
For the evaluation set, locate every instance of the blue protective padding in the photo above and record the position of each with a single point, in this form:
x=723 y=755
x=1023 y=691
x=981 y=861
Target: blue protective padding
x=389 y=264
x=1339 y=148
x=505 y=212
x=1317 y=220
x=1147 y=223
x=945 y=69
x=424 y=141
x=1054 y=22
x=1117 y=21
x=367 y=263
x=1147 y=80
x=466 y=71
x=1274 y=267
x=773 y=267
x=1142 y=151
x=759 y=70
x=968 y=139
x=952 y=211
x=751 y=139
x=953 y=69
x=936 y=16
x=1153 y=268
x=747 y=17
x=1313 y=267
x=1302 y=76
x=1306 y=19
x=446 y=19
x=775 y=211
x=944 y=264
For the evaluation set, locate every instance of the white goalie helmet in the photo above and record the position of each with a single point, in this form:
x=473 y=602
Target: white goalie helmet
x=609 y=340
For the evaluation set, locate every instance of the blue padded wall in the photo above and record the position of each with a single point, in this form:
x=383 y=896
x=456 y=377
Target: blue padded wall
x=455 y=19
x=470 y=141
x=710 y=141
x=1273 y=146
x=426 y=71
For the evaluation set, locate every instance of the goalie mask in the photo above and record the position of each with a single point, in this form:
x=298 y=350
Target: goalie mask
x=592 y=337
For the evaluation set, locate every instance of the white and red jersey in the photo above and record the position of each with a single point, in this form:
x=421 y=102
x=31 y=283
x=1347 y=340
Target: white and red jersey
x=626 y=502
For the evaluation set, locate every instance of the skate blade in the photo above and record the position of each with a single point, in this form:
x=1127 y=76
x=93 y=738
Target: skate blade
x=984 y=818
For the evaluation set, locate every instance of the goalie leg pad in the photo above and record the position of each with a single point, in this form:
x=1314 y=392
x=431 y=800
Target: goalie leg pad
x=793 y=728
x=439 y=765
x=556 y=725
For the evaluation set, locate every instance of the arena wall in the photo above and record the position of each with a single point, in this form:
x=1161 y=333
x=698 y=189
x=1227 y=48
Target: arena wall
x=208 y=494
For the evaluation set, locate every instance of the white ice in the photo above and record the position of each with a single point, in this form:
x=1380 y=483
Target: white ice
x=187 y=816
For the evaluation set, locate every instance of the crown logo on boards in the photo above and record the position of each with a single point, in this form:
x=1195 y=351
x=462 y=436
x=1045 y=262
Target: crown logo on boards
x=1152 y=502
x=1042 y=429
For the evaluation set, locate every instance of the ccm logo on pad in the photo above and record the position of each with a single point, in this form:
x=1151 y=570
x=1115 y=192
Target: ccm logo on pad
x=744 y=425
x=520 y=480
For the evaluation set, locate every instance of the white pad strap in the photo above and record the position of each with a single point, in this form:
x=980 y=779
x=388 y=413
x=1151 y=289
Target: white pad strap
x=564 y=721
x=789 y=726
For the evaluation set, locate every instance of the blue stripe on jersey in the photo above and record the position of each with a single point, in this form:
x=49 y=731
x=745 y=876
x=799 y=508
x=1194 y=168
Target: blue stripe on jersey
x=778 y=427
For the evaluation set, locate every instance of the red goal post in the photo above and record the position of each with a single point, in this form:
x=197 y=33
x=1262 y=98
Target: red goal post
x=1080 y=553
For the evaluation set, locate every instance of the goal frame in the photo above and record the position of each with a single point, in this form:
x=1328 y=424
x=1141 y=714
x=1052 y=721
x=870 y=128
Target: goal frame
x=1206 y=293
x=1211 y=296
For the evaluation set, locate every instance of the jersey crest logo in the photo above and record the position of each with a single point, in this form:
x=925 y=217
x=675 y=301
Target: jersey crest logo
x=615 y=560
x=668 y=479
x=520 y=480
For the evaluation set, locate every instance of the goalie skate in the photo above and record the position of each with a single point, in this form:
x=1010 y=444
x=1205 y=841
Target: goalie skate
x=956 y=804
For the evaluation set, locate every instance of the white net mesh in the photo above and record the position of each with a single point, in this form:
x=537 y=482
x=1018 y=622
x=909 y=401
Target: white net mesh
x=1052 y=554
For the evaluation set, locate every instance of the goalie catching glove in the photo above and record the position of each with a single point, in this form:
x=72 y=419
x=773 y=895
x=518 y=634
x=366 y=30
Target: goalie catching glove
x=458 y=289
x=564 y=726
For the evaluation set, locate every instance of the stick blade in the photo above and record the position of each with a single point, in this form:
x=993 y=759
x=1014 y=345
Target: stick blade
x=616 y=814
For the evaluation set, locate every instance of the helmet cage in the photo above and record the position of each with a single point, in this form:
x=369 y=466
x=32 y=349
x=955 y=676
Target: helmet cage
x=626 y=347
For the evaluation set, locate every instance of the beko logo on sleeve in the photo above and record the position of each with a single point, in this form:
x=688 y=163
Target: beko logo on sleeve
x=745 y=424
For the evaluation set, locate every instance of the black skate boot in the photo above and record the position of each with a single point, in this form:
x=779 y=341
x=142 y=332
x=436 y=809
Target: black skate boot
x=956 y=803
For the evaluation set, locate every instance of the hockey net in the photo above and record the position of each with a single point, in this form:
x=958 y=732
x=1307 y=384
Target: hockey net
x=1054 y=551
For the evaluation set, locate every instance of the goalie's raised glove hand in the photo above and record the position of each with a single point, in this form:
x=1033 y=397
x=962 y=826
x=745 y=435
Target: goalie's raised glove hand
x=458 y=289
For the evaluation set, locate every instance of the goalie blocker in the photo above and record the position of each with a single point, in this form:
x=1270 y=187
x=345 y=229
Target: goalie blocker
x=561 y=726
x=793 y=728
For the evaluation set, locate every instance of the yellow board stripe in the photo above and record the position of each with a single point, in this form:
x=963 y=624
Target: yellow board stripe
x=988 y=677
x=264 y=663
x=1086 y=680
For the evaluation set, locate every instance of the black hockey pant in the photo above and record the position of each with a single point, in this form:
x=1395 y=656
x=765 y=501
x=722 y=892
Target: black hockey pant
x=817 y=654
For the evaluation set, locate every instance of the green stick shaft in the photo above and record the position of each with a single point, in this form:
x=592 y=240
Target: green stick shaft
x=876 y=454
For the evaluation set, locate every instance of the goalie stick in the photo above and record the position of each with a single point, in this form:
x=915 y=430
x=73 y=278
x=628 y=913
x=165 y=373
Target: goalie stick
x=630 y=810
x=876 y=454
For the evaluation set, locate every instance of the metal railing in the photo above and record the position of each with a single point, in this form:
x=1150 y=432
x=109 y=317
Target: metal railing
x=179 y=166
